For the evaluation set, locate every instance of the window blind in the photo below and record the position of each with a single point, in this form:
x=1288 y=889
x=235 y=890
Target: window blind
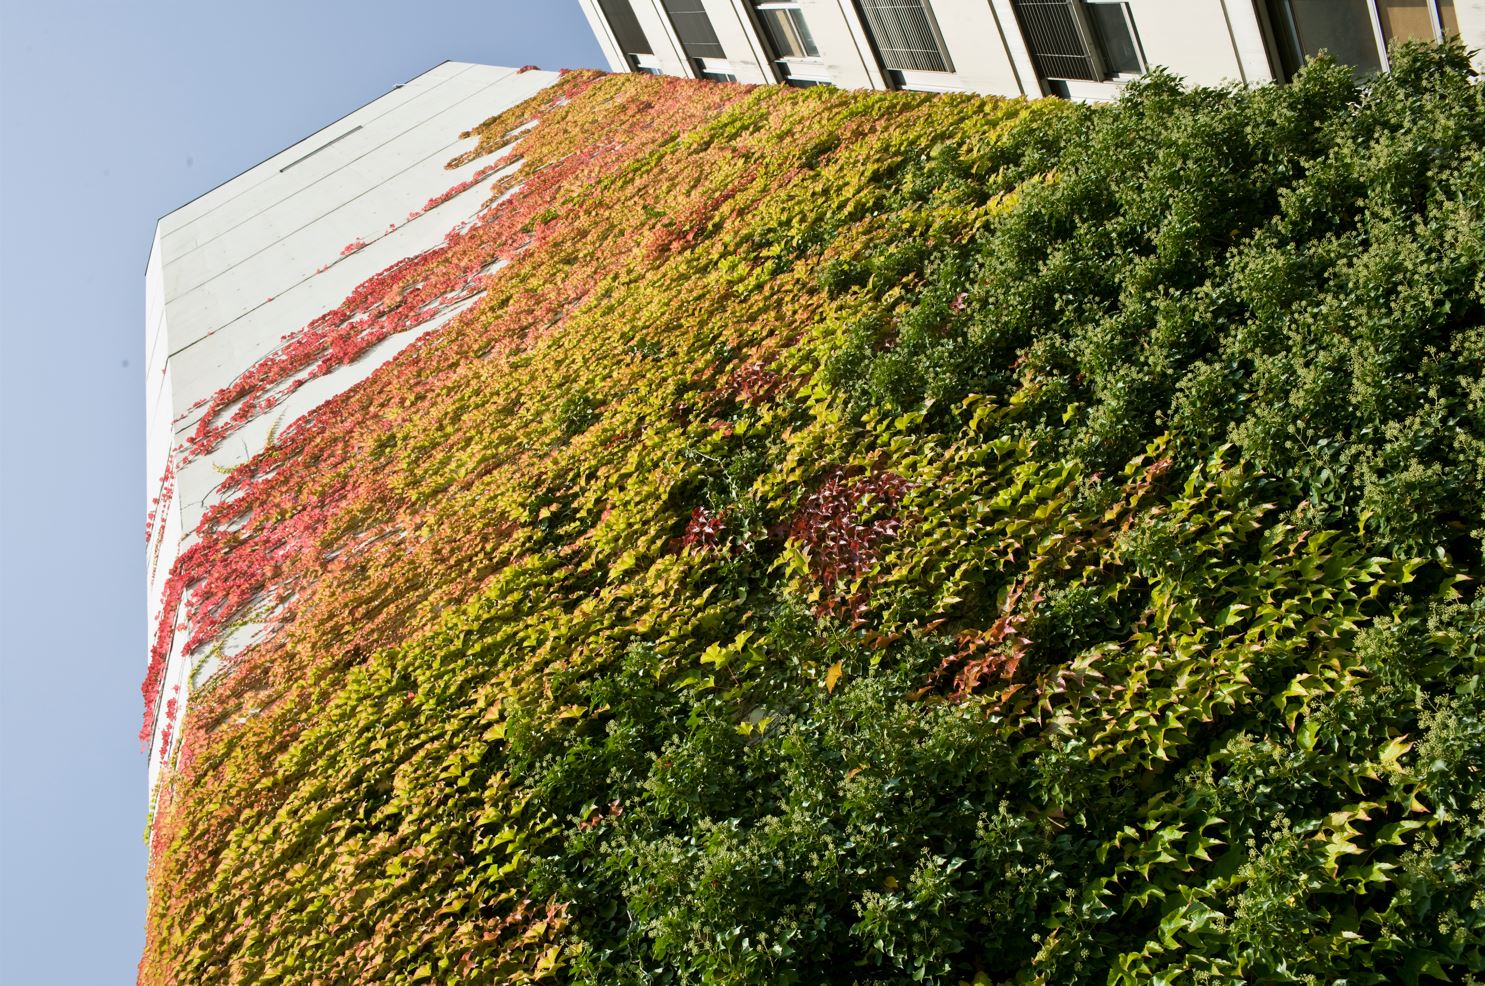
x=625 y=25
x=905 y=35
x=1056 y=40
x=694 y=28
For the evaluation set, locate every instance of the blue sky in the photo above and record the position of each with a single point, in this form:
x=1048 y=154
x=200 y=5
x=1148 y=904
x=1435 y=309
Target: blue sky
x=111 y=115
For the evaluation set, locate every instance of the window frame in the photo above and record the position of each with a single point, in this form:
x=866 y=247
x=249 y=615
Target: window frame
x=759 y=6
x=808 y=70
x=646 y=64
x=1109 y=75
x=1285 y=43
x=714 y=69
x=1435 y=17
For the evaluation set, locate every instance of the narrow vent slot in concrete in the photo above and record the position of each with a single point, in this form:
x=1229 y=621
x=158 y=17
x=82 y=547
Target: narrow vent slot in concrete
x=318 y=150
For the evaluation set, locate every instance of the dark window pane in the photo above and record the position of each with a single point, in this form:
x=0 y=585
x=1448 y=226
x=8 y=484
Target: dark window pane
x=1286 y=42
x=1057 y=47
x=905 y=36
x=621 y=20
x=694 y=29
x=1111 y=23
x=1341 y=27
x=1406 y=20
x=788 y=33
x=1448 y=19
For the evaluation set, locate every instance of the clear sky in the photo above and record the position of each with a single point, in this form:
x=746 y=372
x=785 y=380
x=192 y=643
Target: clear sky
x=112 y=114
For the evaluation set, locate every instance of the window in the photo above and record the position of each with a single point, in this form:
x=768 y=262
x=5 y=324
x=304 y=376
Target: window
x=1113 y=27
x=788 y=35
x=1353 y=32
x=906 y=36
x=1406 y=20
x=1088 y=40
x=694 y=29
x=716 y=69
x=646 y=64
x=790 y=42
x=1447 y=20
x=1341 y=27
x=1417 y=20
x=627 y=32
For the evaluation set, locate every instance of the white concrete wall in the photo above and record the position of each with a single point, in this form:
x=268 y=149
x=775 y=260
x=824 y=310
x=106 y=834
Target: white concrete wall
x=1471 y=16
x=259 y=257
x=1246 y=30
x=977 y=47
x=1192 y=38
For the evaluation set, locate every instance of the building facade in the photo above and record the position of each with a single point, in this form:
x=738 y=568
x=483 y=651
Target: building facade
x=236 y=274
x=1080 y=49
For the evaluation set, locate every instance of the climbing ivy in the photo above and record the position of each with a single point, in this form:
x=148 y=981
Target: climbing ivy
x=871 y=538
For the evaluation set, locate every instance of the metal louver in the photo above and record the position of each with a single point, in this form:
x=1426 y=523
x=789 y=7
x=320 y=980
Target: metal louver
x=905 y=35
x=694 y=28
x=621 y=20
x=1058 y=39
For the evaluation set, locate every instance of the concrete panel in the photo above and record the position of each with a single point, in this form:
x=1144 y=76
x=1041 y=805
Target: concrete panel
x=156 y=336
x=1471 y=17
x=1081 y=91
x=210 y=365
x=1019 y=55
x=311 y=159
x=977 y=47
x=198 y=481
x=299 y=231
x=1189 y=37
x=1254 y=65
x=154 y=297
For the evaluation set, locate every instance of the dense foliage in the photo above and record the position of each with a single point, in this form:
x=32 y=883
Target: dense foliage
x=876 y=538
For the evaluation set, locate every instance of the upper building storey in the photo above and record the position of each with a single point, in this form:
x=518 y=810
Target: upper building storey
x=1079 y=49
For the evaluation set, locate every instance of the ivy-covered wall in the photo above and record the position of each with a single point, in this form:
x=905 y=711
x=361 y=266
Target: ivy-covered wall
x=873 y=538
